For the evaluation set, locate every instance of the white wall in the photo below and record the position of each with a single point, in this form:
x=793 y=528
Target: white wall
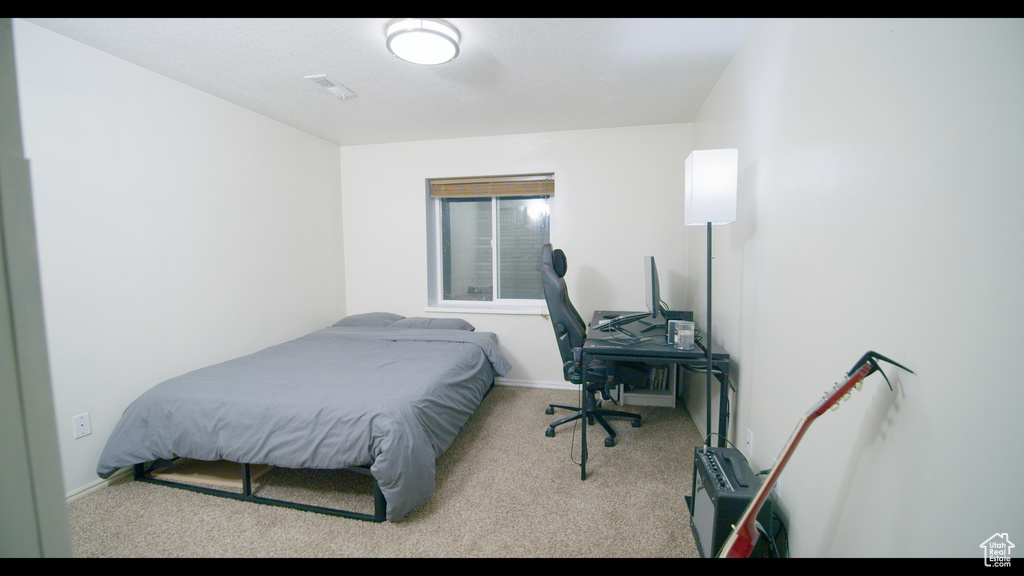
x=618 y=197
x=175 y=230
x=880 y=208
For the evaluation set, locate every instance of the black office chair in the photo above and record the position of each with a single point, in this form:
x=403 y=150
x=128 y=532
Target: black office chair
x=571 y=332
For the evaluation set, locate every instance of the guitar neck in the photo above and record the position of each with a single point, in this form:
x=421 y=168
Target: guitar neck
x=744 y=535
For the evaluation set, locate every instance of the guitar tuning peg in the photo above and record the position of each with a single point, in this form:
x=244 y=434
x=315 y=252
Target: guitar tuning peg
x=859 y=385
x=834 y=407
x=846 y=397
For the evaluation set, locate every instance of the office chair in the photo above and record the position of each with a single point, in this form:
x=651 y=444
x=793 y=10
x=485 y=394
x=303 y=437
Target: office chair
x=571 y=332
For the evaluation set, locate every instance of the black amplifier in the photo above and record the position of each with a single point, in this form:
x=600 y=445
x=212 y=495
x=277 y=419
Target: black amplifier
x=723 y=485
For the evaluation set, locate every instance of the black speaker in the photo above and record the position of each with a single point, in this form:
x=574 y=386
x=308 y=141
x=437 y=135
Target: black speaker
x=723 y=485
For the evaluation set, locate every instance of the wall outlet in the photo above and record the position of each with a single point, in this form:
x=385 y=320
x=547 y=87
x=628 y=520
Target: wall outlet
x=83 y=427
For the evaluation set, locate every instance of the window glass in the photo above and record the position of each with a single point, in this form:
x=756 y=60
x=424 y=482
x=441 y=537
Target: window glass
x=522 y=232
x=466 y=249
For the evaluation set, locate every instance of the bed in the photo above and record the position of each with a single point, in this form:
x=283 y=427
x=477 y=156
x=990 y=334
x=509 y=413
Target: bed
x=376 y=393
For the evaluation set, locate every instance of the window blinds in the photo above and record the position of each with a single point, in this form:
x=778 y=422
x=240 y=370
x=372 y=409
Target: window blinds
x=493 y=186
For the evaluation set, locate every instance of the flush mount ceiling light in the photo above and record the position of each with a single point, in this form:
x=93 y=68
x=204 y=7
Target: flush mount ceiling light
x=423 y=40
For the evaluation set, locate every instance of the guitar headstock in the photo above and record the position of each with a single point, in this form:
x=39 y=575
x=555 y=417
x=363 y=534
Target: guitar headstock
x=867 y=365
x=835 y=403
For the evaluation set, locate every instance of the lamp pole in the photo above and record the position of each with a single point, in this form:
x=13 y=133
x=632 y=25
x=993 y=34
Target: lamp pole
x=707 y=349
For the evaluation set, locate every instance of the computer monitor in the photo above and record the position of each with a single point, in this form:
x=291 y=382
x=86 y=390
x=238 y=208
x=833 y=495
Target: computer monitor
x=655 y=318
x=653 y=286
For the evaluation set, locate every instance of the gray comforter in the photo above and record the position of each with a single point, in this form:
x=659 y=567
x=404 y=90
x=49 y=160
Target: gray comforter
x=392 y=399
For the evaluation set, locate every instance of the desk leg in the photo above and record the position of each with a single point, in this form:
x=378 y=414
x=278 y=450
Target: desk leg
x=585 y=407
x=723 y=408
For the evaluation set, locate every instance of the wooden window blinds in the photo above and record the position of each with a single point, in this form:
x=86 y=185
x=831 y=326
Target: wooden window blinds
x=493 y=186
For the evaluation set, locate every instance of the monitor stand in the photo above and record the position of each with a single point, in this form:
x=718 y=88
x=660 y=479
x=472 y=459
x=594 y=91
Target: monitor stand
x=652 y=323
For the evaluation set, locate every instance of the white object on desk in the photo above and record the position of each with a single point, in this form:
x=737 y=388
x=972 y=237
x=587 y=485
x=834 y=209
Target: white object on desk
x=682 y=333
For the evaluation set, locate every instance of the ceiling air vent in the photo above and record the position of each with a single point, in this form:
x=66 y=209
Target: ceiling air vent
x=331 y=86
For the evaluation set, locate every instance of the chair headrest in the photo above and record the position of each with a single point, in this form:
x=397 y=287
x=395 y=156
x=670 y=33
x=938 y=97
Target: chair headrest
x=558 y=262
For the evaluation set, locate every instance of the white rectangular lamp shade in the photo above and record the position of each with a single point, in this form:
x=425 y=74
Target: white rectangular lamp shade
x=711 y=177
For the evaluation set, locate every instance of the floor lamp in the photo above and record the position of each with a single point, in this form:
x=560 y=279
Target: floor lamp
x=711 y=177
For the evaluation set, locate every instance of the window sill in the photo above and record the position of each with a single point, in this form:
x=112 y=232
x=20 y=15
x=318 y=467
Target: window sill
x=489 y=308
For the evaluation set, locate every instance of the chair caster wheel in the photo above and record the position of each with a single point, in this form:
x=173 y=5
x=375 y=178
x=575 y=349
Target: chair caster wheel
x=609 y=442
x=636 y=423
x=550 y=432
x=549 y=411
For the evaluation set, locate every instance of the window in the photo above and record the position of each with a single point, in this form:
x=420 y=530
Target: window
x=484 y=242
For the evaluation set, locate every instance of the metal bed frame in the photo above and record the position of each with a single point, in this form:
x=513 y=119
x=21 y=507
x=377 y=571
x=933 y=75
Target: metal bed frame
x=142 y=474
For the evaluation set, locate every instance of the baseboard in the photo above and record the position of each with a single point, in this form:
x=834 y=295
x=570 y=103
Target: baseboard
x=97 y=485
x=533 y=384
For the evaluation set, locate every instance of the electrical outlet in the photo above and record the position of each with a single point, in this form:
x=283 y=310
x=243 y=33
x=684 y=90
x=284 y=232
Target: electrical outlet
x=750 y=443
x=82 y=425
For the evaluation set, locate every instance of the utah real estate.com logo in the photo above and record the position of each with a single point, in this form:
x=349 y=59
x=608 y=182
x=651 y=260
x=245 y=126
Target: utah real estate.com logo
x=997 y=550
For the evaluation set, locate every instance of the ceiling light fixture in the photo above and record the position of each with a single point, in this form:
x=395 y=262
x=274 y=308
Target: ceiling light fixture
x=422 y=40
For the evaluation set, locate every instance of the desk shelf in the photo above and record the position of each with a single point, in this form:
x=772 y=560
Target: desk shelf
x=656 y=395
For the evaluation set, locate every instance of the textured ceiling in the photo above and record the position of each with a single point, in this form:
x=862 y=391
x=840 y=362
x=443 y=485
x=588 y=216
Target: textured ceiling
x=512 y=75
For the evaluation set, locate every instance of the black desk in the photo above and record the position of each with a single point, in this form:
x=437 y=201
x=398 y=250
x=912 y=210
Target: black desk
x=653 y=349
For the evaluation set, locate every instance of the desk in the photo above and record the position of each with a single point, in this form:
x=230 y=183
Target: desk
x=654 y=349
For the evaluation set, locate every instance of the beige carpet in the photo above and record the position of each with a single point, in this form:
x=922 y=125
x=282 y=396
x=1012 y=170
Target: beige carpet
x=503 y=490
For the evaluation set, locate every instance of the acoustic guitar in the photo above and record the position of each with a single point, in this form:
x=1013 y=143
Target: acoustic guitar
x=744 y=533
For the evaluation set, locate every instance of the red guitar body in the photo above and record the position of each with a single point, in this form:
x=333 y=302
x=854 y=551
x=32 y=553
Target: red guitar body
x=744 y=534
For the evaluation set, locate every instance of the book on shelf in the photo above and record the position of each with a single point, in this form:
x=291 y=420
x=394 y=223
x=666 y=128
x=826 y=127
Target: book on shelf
x=657 y=378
